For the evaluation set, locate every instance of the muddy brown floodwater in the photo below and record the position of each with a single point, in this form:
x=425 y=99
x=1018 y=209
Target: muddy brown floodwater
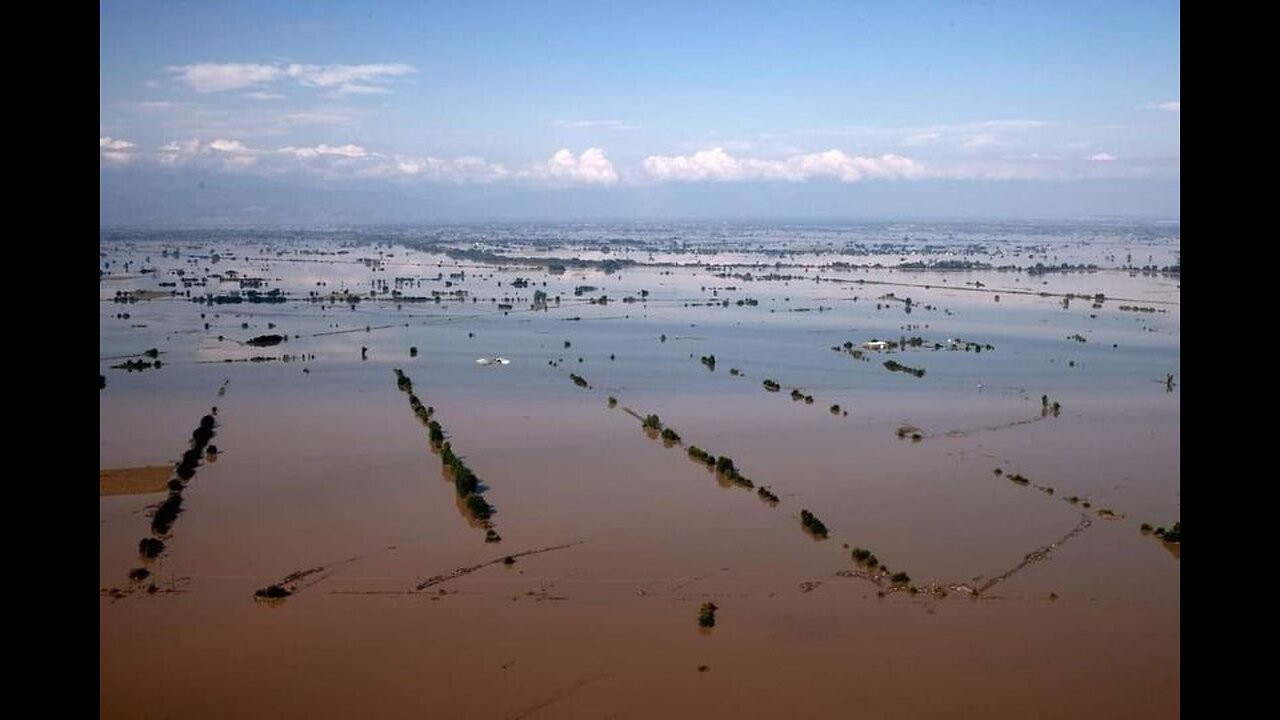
x=324 y=483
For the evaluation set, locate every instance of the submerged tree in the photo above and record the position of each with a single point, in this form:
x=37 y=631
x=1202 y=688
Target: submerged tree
x=813 y=524
x=707 y=615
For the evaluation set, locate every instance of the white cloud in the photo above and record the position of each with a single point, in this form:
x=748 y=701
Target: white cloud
x=347 y=151
x=590 y=167
x=922 y=138
x=1173 y=106
x=108 y=143
x=265 y=96
x=339 y=75
x=343 y=79
x=226 y=153
x=228 y=146
x=980 y=140
x=218 y=77
x=593 y=167
x=716 y=164
x=610 y=124
x=114 y=150
x=713 y=164
x=356 y=89
x=458 y=170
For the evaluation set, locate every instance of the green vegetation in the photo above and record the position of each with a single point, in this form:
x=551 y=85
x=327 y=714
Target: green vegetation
x=1172 y=535
x=1146 y=529
x=767 y=495
x=150 y=547
x=1017 y=479
x=579 y=380
x=813 y=524
x=900 y=578
x=272 y=592
x=724 y=466
x=895 y=366
x=166 y=514
x=797 y=395
x=726 y=469
x=709 y=361
x=402 y=381
x=866 y=558
x=424 y=413
x=835 y=409
x=465 y=482
x=102 y=381
x=139 y=574
x=707 y=615
x=652 y=422
x=701 y=456
x=135 y=365
x=670 y=436
x=613 y=401
x=771 y=385
x=265 y=340
x=478 y=507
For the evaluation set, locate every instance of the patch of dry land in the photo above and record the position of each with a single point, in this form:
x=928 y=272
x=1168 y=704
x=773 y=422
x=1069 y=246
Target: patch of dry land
x=134 y=481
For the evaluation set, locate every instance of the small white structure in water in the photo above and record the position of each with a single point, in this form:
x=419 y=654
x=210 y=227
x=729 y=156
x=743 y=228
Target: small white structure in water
x=876 y=345
x=493 y=361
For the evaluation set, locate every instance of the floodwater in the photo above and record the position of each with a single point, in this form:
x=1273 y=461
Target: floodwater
x=323 y=467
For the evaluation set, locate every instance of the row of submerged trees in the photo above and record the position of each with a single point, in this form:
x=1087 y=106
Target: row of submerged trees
x=167 y=512
x=465 y=482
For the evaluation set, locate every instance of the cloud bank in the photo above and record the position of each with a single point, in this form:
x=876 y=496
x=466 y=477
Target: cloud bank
x=370 y=79
x=718 y=165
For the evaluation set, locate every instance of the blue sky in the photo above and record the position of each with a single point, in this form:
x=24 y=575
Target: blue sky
x=821 y=100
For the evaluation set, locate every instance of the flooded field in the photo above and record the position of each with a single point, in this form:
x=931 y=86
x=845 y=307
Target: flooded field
x=501 y=471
